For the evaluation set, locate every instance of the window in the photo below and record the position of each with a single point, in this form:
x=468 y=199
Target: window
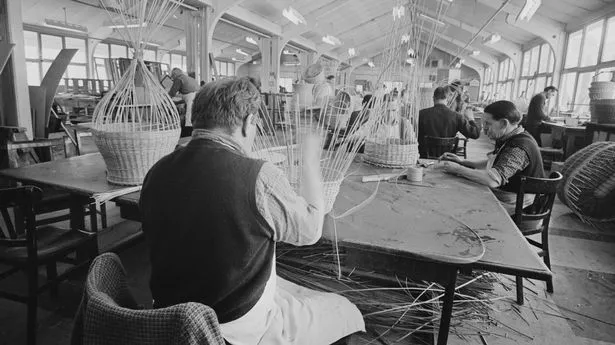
x=51 y=46
x=534 y=60
x=608 y=50
x=511 y=69
x=566 y=92
x=101 y=50
x=545 y=54
x=591 y=44
x=540 y=84
x=286 y=83
x=149 y=55
x=118 y=51
x=525 y=71
x=31 y=44
x=574 y=49
x=176 y=61
x=523 y=88
x=581 y=99
x=550 y=62
x=33 y=72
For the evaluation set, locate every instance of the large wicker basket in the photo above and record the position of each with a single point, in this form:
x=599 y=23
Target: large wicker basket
x=588 y=186
x=602 y=110
x=130 y=155
x=392 y=153
x=331 y=182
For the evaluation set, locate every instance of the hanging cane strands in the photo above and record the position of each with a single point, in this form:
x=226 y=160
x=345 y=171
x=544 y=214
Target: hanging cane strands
x=136 y=122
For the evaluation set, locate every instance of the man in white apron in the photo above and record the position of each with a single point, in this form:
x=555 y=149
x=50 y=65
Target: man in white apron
x=185 y=87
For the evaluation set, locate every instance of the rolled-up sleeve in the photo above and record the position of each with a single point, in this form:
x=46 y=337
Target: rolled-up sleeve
x=512 y=160
x=291 y=217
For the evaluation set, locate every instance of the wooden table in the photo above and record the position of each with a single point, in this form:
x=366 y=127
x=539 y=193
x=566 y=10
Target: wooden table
x=573 y=137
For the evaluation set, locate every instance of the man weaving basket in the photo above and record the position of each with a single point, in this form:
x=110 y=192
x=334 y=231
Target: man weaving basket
x=212 y=215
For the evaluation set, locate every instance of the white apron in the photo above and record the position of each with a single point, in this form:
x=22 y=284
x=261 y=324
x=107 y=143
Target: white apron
x=189 y=99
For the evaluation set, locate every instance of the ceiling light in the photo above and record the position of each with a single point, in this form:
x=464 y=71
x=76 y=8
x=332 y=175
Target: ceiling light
x=492 y=39
x=352 y=52
x=154 y=44
x=475 y=52
x=371 y=64
x=434 y=20
x=238 y=50
x=332 y=40
x=251 y=40
x=398 y=12
x=128 y=25
x=236 y=59
x=528 y=10
x=293 y=15
x=65 y=26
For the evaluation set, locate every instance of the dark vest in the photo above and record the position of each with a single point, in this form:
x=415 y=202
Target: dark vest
x=208 y=242
x=526 y=142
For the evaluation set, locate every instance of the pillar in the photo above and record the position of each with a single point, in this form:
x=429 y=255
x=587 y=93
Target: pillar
x=14 y=98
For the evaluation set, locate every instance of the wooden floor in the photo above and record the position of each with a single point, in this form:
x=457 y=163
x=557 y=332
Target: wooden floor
x=578 y=312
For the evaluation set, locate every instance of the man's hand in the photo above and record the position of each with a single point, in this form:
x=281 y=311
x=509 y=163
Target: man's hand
x=469 y=114
x=449 y=167
x=451 y=157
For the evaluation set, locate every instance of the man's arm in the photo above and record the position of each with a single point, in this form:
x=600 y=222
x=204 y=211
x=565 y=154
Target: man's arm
x=467 y=126
x=177 y=84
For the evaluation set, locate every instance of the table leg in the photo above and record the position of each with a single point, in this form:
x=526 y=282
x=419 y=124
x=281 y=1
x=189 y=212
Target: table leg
x=77 y=143
x=77 y=221
x=447 y=306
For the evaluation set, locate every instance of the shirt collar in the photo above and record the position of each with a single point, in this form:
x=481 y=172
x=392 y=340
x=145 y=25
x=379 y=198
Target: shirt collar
x=217 y=137
x=501 y=141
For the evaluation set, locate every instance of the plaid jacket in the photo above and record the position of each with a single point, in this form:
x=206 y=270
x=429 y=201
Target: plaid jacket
x=107 y=314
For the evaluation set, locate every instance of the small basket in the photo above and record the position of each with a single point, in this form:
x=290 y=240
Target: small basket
x=331 y=182
x=393 y=153
x=129 y=155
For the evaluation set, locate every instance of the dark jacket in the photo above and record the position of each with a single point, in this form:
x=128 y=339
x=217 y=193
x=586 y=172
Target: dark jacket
x=184 y=84
x=208 y=242
x=440 y=121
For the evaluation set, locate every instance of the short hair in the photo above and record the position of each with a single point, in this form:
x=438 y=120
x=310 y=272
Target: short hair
x=176 y=71
x=440 y=93
x=331 y=76
x=504 y=110
x=551 y=88
x=225 y=103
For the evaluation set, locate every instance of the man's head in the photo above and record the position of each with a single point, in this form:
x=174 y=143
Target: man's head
x=331 y=79
x=441 y=95
x=229 y=106
x=501 y=118
x=176 y=72
x=550 y=91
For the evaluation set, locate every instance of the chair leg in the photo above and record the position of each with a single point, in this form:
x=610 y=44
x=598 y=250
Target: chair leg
x=32 y=304
x=547 y=258
x=103 y=215
x=52 y=276
x=519 y=281
x=93 y=217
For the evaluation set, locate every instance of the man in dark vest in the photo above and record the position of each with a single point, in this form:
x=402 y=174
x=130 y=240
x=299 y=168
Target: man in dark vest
x=212 y=215
x=516 y=154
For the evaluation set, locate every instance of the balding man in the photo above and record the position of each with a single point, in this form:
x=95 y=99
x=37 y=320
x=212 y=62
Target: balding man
x=187 y=88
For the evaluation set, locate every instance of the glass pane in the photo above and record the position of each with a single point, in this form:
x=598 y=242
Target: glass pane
x=101 y=72
x=566 y=97
x=231 y=72
x=540 y=84
x=550 y=64
x=51 y=46
x=76 y=43
x=33 y=73
x=76 y=71
x=544 y=58
x=526 y=64
x=573 y=49
x=45 y=67
x=101 y=50
x=531 y=87
x=184 y=66
x=511 y=69
x=605 y=75
x=581 y=98
x=523 y=88
x=149 y=55
x=608 y=50
x=593 y=36
x=176 y=61
x=31 y=45
x=118 y=51
x=534 y=60
x=164 y=57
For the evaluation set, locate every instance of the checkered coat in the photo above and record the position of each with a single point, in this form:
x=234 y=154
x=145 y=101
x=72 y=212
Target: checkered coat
x=108 y=315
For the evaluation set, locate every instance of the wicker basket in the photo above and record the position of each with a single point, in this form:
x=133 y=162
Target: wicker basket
x=391 y=154
x=331 y=182
x=588 y=186
x=337 y=114
x=130 y=155
x=602 y=110
x=602 y=90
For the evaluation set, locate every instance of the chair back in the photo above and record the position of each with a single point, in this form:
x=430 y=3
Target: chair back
x=108 y=314
x=544 y=190
x=17 y=215
x=436 y=146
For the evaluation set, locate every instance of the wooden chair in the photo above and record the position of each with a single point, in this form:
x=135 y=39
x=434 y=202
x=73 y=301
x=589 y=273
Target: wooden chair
x=436 y=146
x=25 y=247
x=462 y=147
x=535 y=218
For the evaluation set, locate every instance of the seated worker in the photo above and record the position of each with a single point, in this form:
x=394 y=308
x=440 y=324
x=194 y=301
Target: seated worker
x=537 y=113
x=212 y=217
x=440 y=121
x=187 y=88
x=516 y=154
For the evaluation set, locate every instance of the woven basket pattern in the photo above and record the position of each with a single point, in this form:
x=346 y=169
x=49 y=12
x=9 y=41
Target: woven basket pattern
x=588 y=186
x=602 y=110
x=331 y=182
x=130 y=155
x=391 y=154
x=602 y=90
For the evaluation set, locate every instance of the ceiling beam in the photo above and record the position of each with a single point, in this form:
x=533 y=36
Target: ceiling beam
x=580 y=21
x=291 y=30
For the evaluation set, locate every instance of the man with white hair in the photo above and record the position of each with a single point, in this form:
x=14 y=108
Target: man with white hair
x=187 y=88
x=212 y=216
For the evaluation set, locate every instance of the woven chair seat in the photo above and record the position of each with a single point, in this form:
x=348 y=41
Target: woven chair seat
x=551 y=151
x=52 y=242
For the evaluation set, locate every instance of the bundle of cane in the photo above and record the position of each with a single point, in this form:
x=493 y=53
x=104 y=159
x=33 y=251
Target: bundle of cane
x=136 y=122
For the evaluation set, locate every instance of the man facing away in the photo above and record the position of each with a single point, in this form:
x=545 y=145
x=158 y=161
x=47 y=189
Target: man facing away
x=516 y=154
x=187 y=88
x=441 y=121
x=212 y=216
